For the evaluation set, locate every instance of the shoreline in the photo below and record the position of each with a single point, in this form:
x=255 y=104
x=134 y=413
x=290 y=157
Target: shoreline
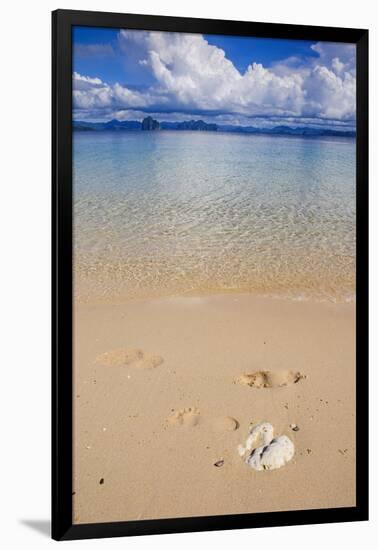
x=299 y=296
x=153 y=432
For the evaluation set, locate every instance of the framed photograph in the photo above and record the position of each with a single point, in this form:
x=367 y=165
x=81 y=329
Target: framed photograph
x=210 y=275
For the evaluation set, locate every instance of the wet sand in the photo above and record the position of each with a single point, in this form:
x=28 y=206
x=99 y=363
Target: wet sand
x=161 y=404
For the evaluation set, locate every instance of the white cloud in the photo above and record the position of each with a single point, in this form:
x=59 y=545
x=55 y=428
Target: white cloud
x=328 y=51
x=328 y=81
x=196 y=74
x=337 y=65
x=85 y=82
x=190 y=74
x=330 y=95
x=90 y=93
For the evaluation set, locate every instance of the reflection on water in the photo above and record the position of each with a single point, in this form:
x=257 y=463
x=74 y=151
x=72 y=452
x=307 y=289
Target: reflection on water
x=158 y=213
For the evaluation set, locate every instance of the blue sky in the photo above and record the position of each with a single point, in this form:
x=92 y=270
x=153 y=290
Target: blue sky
x=232 y=80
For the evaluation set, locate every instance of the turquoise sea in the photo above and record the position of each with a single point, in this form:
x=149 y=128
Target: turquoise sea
x=162 y=213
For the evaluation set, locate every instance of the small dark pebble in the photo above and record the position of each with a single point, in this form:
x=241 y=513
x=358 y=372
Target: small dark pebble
x=295 y=429
x=74 y=493
x=102 y=481
x=219 y=463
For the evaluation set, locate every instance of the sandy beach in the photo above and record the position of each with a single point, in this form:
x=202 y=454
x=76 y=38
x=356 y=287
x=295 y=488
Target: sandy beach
x=214 y=267
x=159 y=407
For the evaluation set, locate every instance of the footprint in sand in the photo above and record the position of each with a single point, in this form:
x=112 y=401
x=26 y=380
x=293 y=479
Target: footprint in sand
x=225 y=424
x=191 y=416
x=124 y=357
x=270 y=379
x=272 y=452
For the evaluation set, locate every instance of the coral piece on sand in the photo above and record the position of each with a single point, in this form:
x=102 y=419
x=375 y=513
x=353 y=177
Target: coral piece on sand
x=272 y=452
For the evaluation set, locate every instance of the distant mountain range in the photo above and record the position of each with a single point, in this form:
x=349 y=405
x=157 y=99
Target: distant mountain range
x=150 y=124
x=191 y=125
x=289 y=131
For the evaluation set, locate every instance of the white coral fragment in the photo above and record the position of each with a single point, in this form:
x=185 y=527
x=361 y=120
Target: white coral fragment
x=272 y=452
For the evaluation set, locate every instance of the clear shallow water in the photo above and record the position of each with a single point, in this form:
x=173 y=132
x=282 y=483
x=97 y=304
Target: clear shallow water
x=171 y=212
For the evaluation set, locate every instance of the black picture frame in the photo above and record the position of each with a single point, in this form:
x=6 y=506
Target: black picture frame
x=62 y=447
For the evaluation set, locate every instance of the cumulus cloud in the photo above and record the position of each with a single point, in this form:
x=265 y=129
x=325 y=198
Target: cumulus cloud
x=91 y=93
x=328 y=80
x=194 y=73
x=329 y=51
x=330 y=95
x=190 y=74
x=81 y=82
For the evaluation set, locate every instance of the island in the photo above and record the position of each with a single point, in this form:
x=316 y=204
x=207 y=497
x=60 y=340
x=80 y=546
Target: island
x=150 y=124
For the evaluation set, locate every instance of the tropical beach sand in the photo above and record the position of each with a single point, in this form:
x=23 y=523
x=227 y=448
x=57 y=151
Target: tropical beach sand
x=158 y=401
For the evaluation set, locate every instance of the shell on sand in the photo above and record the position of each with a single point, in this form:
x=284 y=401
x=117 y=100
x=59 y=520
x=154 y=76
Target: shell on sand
x=273 y=452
